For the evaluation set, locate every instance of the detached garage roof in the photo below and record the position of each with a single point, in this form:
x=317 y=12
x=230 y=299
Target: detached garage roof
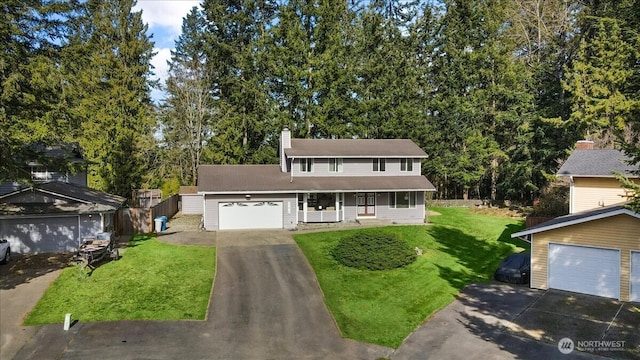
x=225 y=179
x=598 y=163
x=56 y=198
x=577 y=218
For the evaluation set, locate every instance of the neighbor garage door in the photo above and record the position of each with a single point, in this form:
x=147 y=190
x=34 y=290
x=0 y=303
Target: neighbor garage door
x=250 y=215
x=586 y=270
x=635 y=276
x=38 y=235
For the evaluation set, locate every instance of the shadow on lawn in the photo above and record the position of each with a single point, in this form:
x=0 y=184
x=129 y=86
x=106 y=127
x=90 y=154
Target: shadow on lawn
x=480 y=257
x=505 y=237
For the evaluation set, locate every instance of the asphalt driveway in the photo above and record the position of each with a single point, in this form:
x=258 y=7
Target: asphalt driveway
x=266 y=304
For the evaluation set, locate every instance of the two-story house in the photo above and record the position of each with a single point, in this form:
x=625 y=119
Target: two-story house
x=596 y=248
x=318 y=180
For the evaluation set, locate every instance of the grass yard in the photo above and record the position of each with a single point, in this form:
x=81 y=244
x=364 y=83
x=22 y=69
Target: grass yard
x=152 y=280
x=383 y=307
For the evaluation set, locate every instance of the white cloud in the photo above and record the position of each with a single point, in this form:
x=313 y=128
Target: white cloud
x=159 y=62
x=164 y=18
x=165 y=13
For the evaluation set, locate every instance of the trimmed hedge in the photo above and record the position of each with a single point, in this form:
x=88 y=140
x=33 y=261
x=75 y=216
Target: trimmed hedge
x=374 y=251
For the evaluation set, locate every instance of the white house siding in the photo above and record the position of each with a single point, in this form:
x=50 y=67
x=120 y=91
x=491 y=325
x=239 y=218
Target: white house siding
x=192 y=204
x=289 y=207
x=356 y=167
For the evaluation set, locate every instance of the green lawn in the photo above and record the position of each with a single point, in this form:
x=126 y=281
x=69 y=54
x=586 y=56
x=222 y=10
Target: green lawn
x=152 y=280
x=383 y=307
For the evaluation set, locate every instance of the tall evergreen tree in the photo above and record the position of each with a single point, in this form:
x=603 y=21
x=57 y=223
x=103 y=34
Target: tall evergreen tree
x=112 y=86
x=188 y=110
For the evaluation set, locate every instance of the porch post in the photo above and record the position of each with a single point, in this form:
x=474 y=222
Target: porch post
x=304 y=207
x=337 y=206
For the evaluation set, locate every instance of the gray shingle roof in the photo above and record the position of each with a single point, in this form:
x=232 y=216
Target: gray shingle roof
x=597 y=163
x=82 y=200
x=269 y=178
x=354 y=148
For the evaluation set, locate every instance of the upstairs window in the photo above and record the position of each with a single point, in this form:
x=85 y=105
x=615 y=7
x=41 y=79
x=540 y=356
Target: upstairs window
x=335 y=165
x=406 y=164
x=306 y=165
x=379 y=164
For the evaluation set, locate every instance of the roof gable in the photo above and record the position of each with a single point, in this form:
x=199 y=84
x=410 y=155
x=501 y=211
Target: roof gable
x=363 y=148
x=578 y=218
x=597 y=163
x=57 y=197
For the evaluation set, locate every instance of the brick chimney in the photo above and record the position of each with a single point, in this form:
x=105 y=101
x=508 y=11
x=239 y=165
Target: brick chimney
x=285 y=143
x=584 y=145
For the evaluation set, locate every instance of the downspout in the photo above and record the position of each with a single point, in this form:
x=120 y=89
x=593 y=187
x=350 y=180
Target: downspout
x=79 y=239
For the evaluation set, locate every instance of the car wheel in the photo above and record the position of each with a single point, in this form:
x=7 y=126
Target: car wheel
x=7 y=257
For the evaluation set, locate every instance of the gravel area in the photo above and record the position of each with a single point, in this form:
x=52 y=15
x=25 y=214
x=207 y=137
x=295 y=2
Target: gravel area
x=181 y=222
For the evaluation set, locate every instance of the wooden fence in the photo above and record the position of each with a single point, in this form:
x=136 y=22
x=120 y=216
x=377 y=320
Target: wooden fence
x=140 y=220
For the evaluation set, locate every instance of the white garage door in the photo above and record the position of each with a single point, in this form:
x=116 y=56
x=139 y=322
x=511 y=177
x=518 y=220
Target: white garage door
x=635 y=276
x=250 y=215
x=586 y=270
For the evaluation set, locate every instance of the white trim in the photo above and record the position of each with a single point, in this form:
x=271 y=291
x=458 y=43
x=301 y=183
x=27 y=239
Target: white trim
x=577 y=221
x=572 y=195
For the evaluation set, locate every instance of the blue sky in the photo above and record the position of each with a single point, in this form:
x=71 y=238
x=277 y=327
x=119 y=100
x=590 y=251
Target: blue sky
x=164 y=18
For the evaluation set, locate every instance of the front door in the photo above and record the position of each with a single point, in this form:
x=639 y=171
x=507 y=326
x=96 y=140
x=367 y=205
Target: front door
x=366 y=203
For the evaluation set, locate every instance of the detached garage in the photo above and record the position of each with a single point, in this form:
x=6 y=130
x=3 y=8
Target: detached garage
x=594 y=252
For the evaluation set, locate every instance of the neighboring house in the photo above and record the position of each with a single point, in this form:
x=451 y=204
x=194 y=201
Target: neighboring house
x=191 y=201
x=318 y=180
x=55 y=216
x=596 y=248
x=68 y=153
x=591 y=174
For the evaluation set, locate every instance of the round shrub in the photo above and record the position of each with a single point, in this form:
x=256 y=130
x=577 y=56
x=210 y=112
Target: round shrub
x=374 y=251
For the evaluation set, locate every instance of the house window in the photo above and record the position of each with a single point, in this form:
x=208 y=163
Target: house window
x=402 y=200
x=300 y=202
x=379 y=164
x=306 y=165
x=335 y=165
x=406 y=164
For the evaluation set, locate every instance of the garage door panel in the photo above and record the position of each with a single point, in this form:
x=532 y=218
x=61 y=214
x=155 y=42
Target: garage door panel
x=39 y=235
x=635 y=276
x=582 y=269
x=250 y=215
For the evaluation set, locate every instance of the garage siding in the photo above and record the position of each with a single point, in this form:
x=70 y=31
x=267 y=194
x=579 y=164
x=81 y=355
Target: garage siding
x=191 y=204
x=289 y=207
x=616 y=232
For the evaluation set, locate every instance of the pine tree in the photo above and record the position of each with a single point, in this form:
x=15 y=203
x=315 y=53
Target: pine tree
x=112 y=87
x=188 y=110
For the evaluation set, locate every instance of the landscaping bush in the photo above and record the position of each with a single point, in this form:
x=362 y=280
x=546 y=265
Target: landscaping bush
x=374 y=251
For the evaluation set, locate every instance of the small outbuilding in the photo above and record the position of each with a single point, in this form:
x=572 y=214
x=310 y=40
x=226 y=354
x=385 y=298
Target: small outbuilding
x=192 y=202
x=55 y=216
